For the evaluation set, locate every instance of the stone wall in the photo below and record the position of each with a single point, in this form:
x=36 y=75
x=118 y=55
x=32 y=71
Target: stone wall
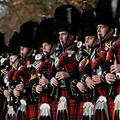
x=14 y=12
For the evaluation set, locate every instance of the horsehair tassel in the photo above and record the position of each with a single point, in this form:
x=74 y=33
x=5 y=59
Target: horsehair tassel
x=88 y=110
x=21 y=113
x=10 y=115
x=45 y=112
x=62 y=110
x=101 y=105
x=117 y=108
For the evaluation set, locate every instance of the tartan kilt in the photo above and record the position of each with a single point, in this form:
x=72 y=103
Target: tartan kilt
x=52 y=102
x=75 y=105
x=33 y=111
x=77 y=112
x=111 y=108
x=118 y=88
x=53 y=105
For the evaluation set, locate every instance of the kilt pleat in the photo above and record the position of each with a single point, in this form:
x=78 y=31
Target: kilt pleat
x=118 y=88
x=53 y=105
x=79 y=110
x=33 y=111
x=111 y=108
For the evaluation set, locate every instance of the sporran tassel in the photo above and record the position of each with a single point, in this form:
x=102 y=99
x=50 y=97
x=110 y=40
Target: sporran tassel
x=62 y=110
x=21 y=113
x=101 y=109
x=45 y=112
x=88 y=111
x=10 y=113
x=117 y=108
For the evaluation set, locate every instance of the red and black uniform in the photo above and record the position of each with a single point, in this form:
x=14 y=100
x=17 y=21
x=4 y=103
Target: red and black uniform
x=91 y=60
x=26 y=75
x=47 y=69
x=112 y=57
x=84 y=71
x=88 y=66
x=96 y=60
x=67 y=62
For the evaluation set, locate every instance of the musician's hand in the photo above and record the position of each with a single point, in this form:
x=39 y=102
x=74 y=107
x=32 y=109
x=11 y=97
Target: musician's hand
x=16 y=93
x=96 y=79
x=110 y=78
x=44 y=81
x=7 y=93
x=53 y=82
x=19 y=87
x=38 y=88
x=81 y=87
x=62 y=75
x=115 y=68
x=90 y=83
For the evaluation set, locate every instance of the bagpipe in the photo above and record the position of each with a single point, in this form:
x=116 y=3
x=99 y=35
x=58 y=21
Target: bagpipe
x=67 y=62
x=83 y=49
x=101 y=108
x=27 y=75
x=10 y=115
x=21 y=76
x=44 y=108
x=83 y=57
x=47 y=70
x=5 y=68
x=26 y=71
x=10 y=84
x=111 y=58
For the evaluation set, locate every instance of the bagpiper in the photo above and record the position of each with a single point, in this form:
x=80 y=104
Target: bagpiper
x=46 y=70
x=24 y=76
x=67 y=26
x=107 y=35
